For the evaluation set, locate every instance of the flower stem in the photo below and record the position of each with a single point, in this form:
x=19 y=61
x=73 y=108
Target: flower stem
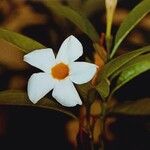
x=85 y=134
x=89 y=130
x=102 y=118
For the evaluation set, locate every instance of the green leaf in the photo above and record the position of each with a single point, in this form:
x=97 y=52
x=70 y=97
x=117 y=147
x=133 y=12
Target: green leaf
x=103 y=88
x=139 y=107
x=19 y=98
x=111 y=67
x=136 y=61
x=135 y=67
x=75 y=4
x=87 y=92
x=134 y=17
x=79 y=20
x=118 y=62
x=83 y=89
x=26 y=44
x=90 y=6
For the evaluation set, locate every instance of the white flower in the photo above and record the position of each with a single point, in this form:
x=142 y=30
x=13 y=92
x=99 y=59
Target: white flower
x=59 y=73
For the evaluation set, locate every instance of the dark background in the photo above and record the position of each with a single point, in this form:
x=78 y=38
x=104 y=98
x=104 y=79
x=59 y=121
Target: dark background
x=34 y=128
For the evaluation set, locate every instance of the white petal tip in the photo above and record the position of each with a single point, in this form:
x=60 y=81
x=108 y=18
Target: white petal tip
x=72 y=36
x=74 y=40
x=95 y=70
x=80 y=103
x=24 y=58
x=34 y=101
x=97 y=67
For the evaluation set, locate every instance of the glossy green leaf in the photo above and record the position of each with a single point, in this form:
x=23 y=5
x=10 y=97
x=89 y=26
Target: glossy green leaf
x=136 y=61
x=134 y=17
x=136 y=67
x=19 y=98
x=79 y=20
x=26 y=44
x=139 y=107
x=111 y=67
x=118 y=62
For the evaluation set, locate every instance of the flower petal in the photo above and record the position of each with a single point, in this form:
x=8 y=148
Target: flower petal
x=82 y=72
x=39 y=85
x=42 y=59
x=66 y=94
x=70 y=50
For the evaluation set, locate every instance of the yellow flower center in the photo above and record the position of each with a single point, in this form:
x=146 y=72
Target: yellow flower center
x=60 y=71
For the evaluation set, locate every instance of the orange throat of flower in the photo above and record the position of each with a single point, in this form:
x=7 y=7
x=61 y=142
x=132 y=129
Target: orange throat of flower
x=60 y=71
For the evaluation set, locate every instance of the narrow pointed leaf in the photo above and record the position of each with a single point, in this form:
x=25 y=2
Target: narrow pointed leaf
x=112 y=67
x=79 y=20
x=19 y=98
x=25 y=43
x=138 y=60
x=118 y=62
x=134 y=17
x=136 y=67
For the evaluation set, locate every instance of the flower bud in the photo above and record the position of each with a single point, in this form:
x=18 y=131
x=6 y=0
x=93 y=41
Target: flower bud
x=110 y=9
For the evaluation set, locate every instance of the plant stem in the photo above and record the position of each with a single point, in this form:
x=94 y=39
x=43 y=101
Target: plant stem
x=102 y=117
x=90 y=134
x=108 y=45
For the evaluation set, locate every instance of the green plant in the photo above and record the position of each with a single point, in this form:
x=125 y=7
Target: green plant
x=117 y=69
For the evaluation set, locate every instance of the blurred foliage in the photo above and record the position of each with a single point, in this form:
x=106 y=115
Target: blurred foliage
x=20 y=98
x=28 y=25
x=139 y=107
